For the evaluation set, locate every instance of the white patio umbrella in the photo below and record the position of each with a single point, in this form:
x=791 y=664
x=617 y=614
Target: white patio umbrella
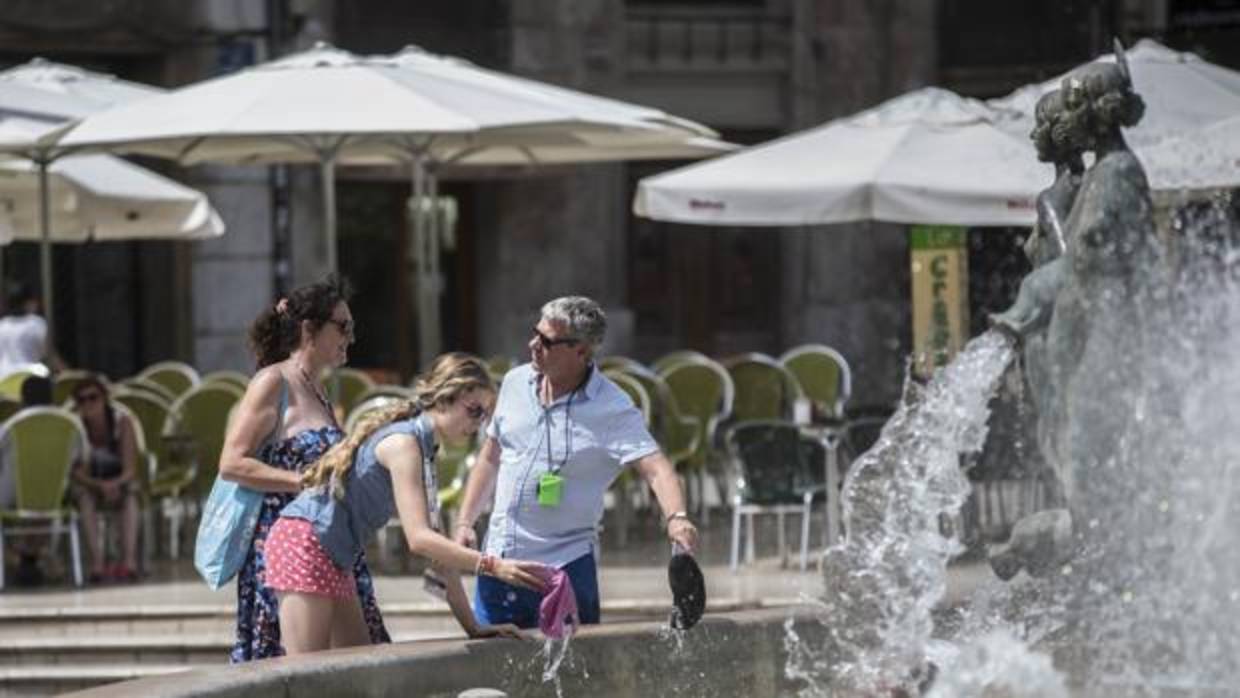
x=929 y=156
x=52 y=93
x=1183 y=94
x=327 y=106
x=78 y=91
x=96 y=198
x=1208 y=158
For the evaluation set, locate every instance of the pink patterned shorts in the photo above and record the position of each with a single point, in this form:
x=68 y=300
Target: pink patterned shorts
x=297 y=562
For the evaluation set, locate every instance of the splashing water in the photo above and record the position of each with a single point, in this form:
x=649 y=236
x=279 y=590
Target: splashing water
x=900 y=501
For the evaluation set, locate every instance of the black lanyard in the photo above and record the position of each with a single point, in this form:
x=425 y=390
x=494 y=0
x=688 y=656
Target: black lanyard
x=568 y=428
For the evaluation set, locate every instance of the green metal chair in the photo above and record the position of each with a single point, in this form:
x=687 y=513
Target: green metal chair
x=636 y=392
x=370 y=404
x=8 y=408
x=678 y=434
x=169 y=465
x=198 y=420
x=236 y=378
x=346 y=386
x=764 y=388
x=399 y=392
x=499 y=365
x=824 y=377
x=11 y=384
x=670 y=359
x=148 y=387
x=177 y=376
x=703 y=390
x=43 y=443
x=619 y=363
x=773 y=474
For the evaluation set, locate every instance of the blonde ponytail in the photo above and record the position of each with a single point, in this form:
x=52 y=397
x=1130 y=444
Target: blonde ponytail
x=334 y=466
x=449 y=376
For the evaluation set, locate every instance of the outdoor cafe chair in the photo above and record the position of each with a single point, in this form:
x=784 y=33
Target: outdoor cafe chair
x=11 y=383
x=671 y=358
x=43 y=443
x=177 y=376
x=346 y=386
x=148 y=387
x=8 y=407
x=772 y=475
x=824 y=377
x=197 y=422
x=236 y=378
x=764 y=388
x=703 y=390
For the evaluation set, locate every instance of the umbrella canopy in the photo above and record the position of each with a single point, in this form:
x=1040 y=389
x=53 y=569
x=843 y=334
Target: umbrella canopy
x=929 y=156
x=1184 y=95
x=327 y=106
x=1204 y=159
x=70 y=92
x=96 y=197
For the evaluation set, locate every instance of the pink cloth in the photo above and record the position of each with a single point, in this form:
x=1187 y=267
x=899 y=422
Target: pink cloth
x=557 y=614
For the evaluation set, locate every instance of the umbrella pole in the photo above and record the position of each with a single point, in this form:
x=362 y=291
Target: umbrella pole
x=327 y=173
x=420 y=248
x=45 y=247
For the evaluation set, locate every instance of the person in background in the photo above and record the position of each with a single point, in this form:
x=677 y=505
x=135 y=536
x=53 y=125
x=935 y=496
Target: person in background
x=283 y=423
x=106 y=477
x=385 y=467
x=561 y=434
x=23 y=333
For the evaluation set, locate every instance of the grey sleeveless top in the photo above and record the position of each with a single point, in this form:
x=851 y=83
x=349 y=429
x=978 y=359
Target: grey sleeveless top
x=343 y=526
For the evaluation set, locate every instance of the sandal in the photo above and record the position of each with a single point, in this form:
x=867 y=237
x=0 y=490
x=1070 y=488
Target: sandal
x=688 y=591
x=124 y=574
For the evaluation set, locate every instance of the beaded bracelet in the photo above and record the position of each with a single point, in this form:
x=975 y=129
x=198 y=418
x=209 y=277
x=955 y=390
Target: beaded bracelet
x=486 y=565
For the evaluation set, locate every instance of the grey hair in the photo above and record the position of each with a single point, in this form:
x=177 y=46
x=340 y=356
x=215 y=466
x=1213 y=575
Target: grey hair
x=583 y=317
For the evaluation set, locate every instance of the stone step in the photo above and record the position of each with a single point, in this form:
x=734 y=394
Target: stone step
x=210 y=619
x=56 y=679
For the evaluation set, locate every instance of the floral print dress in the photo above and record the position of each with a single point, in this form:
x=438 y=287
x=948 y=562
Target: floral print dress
x=258 y=612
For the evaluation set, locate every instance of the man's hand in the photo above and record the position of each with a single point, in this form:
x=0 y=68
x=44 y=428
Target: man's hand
x=682 y=532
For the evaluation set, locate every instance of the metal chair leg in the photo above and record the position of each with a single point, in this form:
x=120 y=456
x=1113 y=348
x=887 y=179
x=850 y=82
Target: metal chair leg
x=1 y=557
x=805 y=514
x=75 y=549
x=736 y=538
x=749 y=538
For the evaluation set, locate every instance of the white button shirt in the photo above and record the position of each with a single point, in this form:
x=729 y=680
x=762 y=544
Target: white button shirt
x=594 y=433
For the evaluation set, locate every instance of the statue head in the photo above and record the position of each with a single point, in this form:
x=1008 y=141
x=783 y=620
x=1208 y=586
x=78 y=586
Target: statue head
x=1099 y=99
x=1051 y=136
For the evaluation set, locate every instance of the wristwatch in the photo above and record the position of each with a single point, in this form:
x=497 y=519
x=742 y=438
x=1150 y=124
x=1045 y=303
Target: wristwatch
x=676 y=515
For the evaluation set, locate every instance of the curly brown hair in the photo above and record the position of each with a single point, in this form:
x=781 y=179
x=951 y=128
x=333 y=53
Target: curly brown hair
x=274 y=334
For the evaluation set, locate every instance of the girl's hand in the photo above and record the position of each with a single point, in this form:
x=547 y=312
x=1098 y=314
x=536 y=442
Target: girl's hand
x=506 y=630
x=521 y=573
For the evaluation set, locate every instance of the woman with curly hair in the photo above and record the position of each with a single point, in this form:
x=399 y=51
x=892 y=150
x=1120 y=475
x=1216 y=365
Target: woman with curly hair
x=282 y=424
x=386 y=466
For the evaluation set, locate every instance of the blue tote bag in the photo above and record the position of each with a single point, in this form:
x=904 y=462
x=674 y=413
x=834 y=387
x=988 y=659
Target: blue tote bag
x=229 y=518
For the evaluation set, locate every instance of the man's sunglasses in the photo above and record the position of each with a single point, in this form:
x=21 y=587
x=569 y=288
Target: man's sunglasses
x=549 y=343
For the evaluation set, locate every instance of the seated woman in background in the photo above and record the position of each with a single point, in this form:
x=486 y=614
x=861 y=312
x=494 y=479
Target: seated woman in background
x=107 y=477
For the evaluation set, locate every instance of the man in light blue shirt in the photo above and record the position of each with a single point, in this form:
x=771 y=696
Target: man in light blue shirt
x=561 y=434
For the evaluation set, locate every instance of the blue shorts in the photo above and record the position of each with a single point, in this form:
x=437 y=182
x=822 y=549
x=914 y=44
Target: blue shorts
x=497 y=602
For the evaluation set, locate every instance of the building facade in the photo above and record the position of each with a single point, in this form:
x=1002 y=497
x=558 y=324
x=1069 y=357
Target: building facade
x=752 y=69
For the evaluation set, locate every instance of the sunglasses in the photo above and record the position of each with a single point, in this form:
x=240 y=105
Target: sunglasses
x=345 y=326
x=549 y=343
x=475 y=412
x=87 y=398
